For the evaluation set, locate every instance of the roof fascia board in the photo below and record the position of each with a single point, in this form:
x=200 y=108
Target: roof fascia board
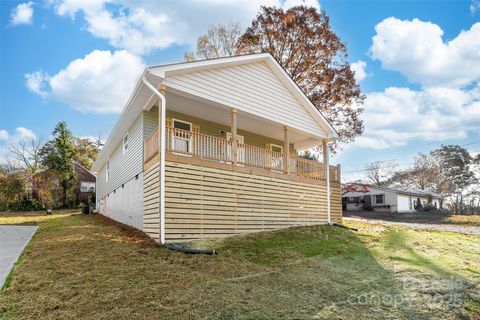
x=185 y=67
x=196 y=66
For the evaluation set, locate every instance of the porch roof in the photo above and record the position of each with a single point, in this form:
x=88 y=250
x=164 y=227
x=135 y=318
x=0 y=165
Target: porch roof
x=142 y=99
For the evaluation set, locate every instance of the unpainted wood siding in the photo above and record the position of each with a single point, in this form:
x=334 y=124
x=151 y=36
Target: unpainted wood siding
x=252 y=88
x=123 y=167
x=205 y=202
x=151 y=196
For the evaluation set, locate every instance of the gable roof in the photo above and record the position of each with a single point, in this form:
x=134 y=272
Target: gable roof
x=141 y=95
x=407 y=191
x=173 y=73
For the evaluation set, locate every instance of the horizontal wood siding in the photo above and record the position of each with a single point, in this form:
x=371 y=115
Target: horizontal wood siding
x=123 y=167
x=151 y=213
x=206 y=202
x=252 y=88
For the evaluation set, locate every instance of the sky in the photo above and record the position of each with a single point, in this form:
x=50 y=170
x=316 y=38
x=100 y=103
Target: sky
x=417 y=62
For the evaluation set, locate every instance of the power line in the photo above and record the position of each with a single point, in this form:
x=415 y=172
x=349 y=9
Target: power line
x=404 y=163
x=406 y=146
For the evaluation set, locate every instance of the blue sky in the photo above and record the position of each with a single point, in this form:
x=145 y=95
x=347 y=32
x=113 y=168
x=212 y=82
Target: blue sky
x=417 y=62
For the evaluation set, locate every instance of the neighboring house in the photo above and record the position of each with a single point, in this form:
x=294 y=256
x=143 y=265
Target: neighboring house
x=84 y=189
x=231 y=130
x=368 y=197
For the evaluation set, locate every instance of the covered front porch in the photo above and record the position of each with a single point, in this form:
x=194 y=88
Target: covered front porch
x=211 y=132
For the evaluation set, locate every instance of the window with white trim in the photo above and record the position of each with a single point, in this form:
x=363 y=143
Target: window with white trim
x=125 y=143
x=182 y=138
x=86 y=186
x=379 y=198
x=276 y=148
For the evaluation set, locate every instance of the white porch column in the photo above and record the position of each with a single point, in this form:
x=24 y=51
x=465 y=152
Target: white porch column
x=326 y=162
x=233 y=131
x=286 y=149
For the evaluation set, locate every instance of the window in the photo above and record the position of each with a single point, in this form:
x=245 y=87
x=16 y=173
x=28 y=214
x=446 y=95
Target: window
x=379 y=198
x=276 y=148
x=125 y=143
x=183 y=125
x=182 y=139
x=107 y=171
x=86 y=186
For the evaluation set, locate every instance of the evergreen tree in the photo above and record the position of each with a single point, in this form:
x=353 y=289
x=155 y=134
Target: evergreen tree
x=57 y=155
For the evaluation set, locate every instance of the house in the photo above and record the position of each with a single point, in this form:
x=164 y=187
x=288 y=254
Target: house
x=209 y=149
x=84 y=189
x=359 y=196
x=86 y=180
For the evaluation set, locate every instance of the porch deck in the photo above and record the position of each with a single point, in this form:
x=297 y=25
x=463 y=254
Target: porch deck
x=215 y=149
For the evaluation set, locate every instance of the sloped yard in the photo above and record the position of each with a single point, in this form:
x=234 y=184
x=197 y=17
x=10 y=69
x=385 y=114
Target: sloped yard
x=88 y=267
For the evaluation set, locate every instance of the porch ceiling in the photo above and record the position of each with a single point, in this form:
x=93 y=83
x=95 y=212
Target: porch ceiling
x=214 y=112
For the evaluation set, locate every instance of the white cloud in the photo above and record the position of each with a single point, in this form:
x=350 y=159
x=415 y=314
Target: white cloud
x=359 y=69
x=3 y=135
x=22 y=14
x=6 y=139
x=35 y=82
x=474 y=6
x=416 y=49
x=397 y=116
x=101 y=82
x=143 y=26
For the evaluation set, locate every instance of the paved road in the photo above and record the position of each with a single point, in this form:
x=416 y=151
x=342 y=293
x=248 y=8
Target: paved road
x=425 y=226
x=13 y=240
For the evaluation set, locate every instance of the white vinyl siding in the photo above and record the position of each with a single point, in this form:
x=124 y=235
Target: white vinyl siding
x=123 y=167
x=252 y=88
x=150 y=122
x=125 y=143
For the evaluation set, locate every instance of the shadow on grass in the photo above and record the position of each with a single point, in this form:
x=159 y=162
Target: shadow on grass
x=396 y=240
x=108 y=270
x=325 y=272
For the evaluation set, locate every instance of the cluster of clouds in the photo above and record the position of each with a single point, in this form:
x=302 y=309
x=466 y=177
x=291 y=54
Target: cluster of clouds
x=447 y=73
x=447 y=104
x=101 y=81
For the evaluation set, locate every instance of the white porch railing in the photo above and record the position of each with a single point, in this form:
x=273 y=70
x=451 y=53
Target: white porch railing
x=213 y=148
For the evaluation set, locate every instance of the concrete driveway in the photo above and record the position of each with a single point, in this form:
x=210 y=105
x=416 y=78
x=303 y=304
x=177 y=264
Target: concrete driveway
x=13 y=240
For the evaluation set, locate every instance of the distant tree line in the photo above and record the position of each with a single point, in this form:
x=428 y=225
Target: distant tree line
x=39 y=175
x=450 y=171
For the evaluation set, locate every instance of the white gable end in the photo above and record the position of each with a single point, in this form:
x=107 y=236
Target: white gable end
x=252 y=88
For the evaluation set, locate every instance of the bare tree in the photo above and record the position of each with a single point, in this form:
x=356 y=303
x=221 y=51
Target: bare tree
x=219 y=41
x=379 y=172
x=27 y=153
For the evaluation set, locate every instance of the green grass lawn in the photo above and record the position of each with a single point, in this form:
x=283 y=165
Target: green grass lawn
x=468 y=220
x=80 y=266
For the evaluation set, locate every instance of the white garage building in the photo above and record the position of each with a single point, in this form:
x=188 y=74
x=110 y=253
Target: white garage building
x=368 y=197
